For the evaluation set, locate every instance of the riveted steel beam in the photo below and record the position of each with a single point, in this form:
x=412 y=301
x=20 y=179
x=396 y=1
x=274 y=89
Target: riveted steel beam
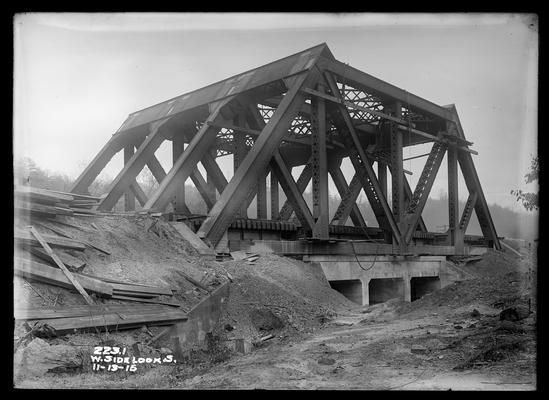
x=187 y=162
x=423 y=188
x=129 y=198
x=362 y=165
x=342 y=188
x=302 y=182
x=348 y=199
x=467 y=212
x=320 y=167
x=132 y=168
x=472 y=182
x=178 y=146
x=453 y=196
x=275 y=205
x=138 y=193
x=292 y=191
x=256 y=161
x=94 y=168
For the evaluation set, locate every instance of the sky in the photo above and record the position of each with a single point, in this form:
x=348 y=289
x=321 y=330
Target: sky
x=78 y=76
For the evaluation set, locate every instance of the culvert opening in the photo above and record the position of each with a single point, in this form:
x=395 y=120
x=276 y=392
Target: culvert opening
x=420 y=286
x=351 y=289
x=384 y=289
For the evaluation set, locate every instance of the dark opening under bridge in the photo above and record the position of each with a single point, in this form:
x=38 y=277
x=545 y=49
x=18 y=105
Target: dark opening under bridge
x=310 y=110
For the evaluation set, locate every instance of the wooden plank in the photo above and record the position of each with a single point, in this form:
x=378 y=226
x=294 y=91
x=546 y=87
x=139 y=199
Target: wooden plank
x=102 y=322
x=141 y=289
x=141 y=300
x=60 y=264
x=41 y=195
x=82 y=211
x=96 y=247
x=68 y=260
x=134 y=294
x=57 y=231
x=54 y=241
x=78 y=196
x=35 y=209
x=44 y=273
x=30 y=313
x=63 y=211
x=65 y=224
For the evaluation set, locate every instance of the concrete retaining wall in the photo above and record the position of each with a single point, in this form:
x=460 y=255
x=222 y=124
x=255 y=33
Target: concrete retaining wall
x=202 y=318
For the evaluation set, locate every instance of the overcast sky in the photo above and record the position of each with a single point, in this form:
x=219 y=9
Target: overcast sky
x=78 y=76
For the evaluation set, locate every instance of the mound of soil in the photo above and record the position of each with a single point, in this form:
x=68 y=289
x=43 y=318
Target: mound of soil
x=293 y=292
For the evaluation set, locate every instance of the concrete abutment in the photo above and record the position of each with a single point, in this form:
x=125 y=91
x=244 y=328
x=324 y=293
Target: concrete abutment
x=381 y=278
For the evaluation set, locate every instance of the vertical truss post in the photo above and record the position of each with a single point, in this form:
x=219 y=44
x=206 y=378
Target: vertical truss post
x=453 y=198
x=320 y=167
x=382 y=177
x=397 y=173
x=210 y=185
x=178 y=146
x=129 y=198
x=239 y=152
x=262 y=198
x=275 y=206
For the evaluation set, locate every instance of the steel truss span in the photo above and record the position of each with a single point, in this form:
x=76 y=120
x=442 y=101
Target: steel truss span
x=307 y=110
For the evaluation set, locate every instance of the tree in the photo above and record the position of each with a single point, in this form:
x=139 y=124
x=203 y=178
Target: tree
x=529 y=200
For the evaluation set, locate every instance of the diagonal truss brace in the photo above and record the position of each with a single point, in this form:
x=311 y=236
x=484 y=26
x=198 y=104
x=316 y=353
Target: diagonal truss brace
x=188 y=160
x=135 y=164
x=423 y=188
x=256 y=161
x=362 y=165
x=467 y=212
x=343 y=188
x=292 y=191
x=302 y=182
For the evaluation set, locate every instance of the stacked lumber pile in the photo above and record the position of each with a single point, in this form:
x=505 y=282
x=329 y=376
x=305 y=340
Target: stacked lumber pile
x=101 y=287
x=50 y=203
x=58 y=321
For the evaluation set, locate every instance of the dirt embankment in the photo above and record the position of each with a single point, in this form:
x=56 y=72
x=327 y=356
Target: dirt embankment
x=273 y=296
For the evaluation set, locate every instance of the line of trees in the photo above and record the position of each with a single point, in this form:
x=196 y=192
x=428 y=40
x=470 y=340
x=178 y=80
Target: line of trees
x=508 y=223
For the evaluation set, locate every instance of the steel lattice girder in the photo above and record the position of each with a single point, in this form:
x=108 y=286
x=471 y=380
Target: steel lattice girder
x=356 y=104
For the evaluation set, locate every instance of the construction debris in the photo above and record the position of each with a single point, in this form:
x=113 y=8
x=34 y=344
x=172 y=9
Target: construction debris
x=60 y=264
x=50 y=203
x=98 y=318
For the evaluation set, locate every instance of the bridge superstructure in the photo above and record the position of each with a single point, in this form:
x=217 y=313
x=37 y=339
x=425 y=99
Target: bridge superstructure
x=306 y=110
